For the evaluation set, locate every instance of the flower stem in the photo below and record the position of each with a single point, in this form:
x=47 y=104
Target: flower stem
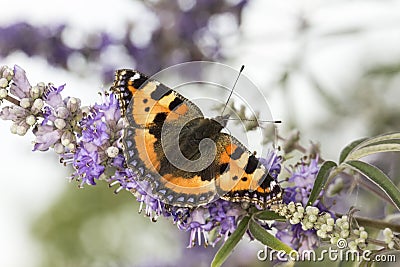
x=12 y=100
x=378 y=224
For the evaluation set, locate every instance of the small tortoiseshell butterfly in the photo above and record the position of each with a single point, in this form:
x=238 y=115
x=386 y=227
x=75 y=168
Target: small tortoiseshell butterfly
x=167 y=142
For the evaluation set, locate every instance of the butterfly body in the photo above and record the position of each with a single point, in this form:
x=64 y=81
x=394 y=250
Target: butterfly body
x=185 y=157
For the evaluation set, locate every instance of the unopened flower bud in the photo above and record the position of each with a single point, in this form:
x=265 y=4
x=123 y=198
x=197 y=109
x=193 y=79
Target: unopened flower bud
x=59 y=148
x=3 y=83
x=3 y=93
x=62 y=112
x=25 y=103
x=22 y=129
x=60 y=124
x=73 y=104
x=37 y=106
x=30 y=120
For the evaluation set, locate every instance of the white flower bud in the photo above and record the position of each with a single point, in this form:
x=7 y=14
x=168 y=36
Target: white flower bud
x=59 y=148
x=62 y=112
x=37 y=106
x=112 y=151
x=387 y=232
x=3 y=93
x=73 y=104
x=25 y=103
x=309 y=225
x=13 y=128
x=3 y=83
x=363 y=235
x=344 y=233
x=312 y=218
x=30 y=120
x=67 y=138
x=352 y=245
x=34 y=92
x=322 y=234
x=6 y=72
x=71 y=147
x=334 y=240
x=22 y=129
x=60 y=124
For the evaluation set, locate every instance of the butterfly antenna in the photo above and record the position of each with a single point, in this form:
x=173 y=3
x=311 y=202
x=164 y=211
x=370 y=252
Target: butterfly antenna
x=240 y=119
x=229 y=97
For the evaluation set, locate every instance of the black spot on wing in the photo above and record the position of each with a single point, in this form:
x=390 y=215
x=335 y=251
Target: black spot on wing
x=160 y=118
x=176 y=103
x=147 y=109
x=138 y=82
x=265 y=181
x=223 y=168
x=160 y=92
x=237 y=153
x=252 y=164
x=244 y=179
x=276 y=190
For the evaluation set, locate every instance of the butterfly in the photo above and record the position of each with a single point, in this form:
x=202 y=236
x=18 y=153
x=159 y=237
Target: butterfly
x=186 y=158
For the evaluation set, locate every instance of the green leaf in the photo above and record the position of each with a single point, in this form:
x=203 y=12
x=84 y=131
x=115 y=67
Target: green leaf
x=364 y=147
x=378 y=177
x=230 y=243
x=380 y=138
x=373 y=149
x=320 y=180
x=269 y=215
x=266 y=238
x=346 y=151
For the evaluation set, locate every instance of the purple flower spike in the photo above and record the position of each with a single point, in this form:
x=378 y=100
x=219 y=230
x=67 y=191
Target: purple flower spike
x=46 y=136
x=272 y=162
x=20 y=86
x=86 y=162
x=303 y=178
x=53 y=97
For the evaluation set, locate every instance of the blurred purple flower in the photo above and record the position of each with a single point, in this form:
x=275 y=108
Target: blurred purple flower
x=183 y=33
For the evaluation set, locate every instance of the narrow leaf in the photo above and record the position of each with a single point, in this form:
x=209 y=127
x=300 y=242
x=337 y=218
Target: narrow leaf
x=266 y=238
x=378 y=177
x=379 y=138
x=391 y=141
x=373 y=149
x=230 y=243
x=269 y=215
x=347 y=150
x=320 y=180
